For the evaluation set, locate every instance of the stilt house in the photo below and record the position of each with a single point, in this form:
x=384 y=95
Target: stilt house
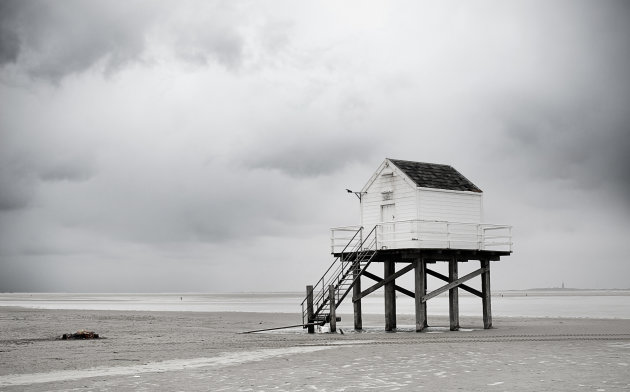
x=413 y=214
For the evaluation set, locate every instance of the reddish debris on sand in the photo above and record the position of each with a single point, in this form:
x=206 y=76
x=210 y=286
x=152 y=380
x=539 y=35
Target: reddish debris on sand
x=80 y=335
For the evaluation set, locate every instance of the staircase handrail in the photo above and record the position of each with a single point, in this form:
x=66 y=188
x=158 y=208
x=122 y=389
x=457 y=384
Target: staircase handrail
x=320 y=298
x=358 y=251
x=323 y=278
x=358 y=258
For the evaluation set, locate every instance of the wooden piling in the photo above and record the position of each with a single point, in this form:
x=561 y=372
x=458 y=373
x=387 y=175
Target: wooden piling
x=453 y=296
x=309 y=309
x=420 y=261
x=390 y=296
x=426 y=318
x=421 y=290
x=333 y=308
x=356 y=293
x=486 y=294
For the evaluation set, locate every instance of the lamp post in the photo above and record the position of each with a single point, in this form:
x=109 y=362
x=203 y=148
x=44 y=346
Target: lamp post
x=357 y=194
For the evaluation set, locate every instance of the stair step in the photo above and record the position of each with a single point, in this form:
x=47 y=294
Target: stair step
x=324 y=318
x=352 y=262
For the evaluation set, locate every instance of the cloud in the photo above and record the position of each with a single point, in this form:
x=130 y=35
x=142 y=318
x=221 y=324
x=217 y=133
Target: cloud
x=9 y=40
x=15 y=192
x=56 y=40
x=66 y=171
x=21 y=177
x=28 y=164
x=310 y=155
x=50 y=40
x=206 y=35
x=581 y=140
x=230 y=130
x=561 y=101
x=317 y=136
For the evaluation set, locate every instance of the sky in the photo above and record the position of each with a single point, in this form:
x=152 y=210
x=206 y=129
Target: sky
x=205 y=146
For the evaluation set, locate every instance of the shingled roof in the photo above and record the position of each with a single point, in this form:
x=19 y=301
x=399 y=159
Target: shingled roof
x=431 y=175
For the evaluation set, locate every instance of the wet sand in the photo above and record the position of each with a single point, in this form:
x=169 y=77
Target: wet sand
x=169 y=351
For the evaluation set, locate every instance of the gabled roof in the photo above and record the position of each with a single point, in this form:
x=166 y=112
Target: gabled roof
x=432 y=175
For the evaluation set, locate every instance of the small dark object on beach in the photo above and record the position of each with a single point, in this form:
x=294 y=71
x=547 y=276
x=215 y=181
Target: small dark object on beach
x=80 y=335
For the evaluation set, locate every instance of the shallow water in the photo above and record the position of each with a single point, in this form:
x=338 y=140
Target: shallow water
x=581 y=304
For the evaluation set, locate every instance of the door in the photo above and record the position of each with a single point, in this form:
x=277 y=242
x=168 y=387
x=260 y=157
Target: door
x=388 y=216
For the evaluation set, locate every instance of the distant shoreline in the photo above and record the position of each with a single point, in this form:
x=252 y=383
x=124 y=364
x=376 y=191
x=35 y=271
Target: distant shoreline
x=596 y=304
x=175 y=293
x=567 y=289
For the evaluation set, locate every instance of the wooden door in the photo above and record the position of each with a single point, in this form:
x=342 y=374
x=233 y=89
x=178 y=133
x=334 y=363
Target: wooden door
x=388 y=216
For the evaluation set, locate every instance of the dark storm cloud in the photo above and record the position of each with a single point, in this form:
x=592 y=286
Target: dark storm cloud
x=9 y=40
x=16 y=183
x=50 y=40
x=15 y=193
x=583 y=141
x=24 y=167
x=572 y=123
x=58 y=39
x=178 y=168
x=571 y=145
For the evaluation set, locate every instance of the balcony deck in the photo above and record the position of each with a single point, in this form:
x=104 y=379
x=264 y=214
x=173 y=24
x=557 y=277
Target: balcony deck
x=470 y=240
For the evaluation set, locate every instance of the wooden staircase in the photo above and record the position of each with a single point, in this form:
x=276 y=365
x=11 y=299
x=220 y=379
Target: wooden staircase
x=343 y=273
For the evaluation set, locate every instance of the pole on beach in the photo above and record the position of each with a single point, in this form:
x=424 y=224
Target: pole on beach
x=453 y=295
x=333 y=309
x=390 y=296
x=309 y=309
x=421 y=291
x=276 y=328
x=486 y=296
x=356 y=293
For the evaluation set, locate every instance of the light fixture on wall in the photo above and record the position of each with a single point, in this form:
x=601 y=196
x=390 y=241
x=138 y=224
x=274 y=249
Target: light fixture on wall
x=357 y=194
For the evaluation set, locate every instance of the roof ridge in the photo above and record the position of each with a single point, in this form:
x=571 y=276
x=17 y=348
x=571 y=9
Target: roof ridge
x=425 y=163
x=435 y=175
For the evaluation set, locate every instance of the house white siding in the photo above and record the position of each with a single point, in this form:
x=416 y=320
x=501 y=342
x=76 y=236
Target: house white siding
x=391 y=187
x=449 y=206
x=419 y=217
x=420 y=205
x=402 y=195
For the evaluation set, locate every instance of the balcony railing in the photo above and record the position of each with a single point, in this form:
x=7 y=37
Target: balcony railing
x=430 y=234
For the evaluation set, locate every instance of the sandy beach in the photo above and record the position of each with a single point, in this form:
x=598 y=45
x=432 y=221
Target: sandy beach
x=169 y=351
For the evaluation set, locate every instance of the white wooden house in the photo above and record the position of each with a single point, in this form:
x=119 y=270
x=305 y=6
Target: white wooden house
x=423 y=205
x=413 y=214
